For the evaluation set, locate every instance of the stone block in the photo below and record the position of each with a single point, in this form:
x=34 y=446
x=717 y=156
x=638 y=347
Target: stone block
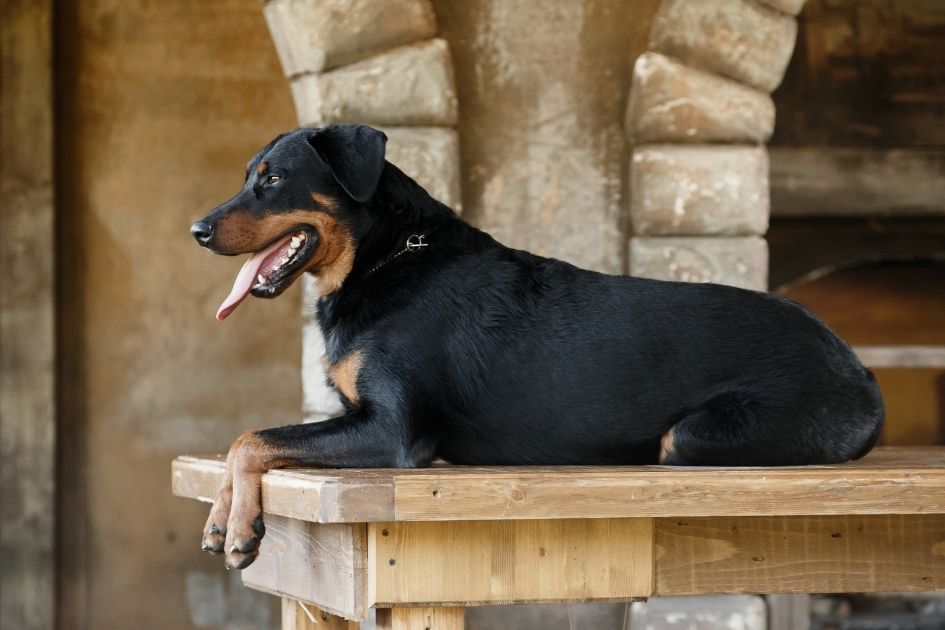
x=411 y=85
x=319 y=401
x=314 y=35
x=430 y=155
x=699 y=189
x=671 y=102
x=737 y=261
x=714 y=612
x=792 y=7
x=741 y=39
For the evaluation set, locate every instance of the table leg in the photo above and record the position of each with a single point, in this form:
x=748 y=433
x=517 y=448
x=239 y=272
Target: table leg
x=298 y=616
x=420 y=618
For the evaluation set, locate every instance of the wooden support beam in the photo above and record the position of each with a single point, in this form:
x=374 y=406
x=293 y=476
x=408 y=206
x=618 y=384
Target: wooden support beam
x=490 y=562
x=27 y=394
x=801 y=554
x=299 y=616
x=901 y=356
x=857 y=182
x=318 y=563
x=420 y=618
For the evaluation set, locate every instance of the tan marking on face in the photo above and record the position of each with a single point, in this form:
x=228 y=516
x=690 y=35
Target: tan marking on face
x=667 y=445
x=240 y=233
x=325 y=201
x=344 y=375
x=262 y=168
x=334 y=258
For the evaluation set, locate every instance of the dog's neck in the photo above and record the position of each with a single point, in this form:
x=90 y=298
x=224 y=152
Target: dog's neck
x=399 y=209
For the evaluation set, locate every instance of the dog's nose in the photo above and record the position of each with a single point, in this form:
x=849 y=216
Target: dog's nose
x=202 y=231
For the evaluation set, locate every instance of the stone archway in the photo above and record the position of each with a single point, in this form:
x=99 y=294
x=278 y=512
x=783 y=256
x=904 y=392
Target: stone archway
x=699 y=112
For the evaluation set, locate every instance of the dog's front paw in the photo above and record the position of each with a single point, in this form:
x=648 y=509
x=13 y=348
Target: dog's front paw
x=243 y=536
x=214 y=532
x=214 y=538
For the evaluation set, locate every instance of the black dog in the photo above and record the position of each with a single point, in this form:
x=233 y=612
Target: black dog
x=444 y=343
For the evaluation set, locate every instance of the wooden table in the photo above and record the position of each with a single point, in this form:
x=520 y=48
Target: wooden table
x=421 y=544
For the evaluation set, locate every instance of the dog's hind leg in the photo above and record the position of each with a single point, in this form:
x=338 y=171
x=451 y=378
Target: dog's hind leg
x=726 y=430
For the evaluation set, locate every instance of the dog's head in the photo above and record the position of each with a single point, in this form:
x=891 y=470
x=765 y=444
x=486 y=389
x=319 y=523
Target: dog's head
x=298 y=210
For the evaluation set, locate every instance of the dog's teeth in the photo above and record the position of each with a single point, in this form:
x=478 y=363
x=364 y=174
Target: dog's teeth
x=261 y=279
x=296 y=241
x=302 y=236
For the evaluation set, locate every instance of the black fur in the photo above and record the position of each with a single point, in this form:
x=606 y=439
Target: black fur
x=482 y=354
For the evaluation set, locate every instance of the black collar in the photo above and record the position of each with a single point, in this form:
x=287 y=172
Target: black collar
x=413 y=244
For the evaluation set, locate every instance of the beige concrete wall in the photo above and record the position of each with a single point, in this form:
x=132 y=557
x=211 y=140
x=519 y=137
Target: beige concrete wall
x=542 y=91
x=160 y=105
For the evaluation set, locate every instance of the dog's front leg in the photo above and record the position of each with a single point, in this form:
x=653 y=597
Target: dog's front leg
x=355 y=440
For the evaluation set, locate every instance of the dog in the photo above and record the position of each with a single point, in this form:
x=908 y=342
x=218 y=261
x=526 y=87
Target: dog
x=443 y=343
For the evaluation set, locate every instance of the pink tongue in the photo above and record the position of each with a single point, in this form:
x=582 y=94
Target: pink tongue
x=245 y=279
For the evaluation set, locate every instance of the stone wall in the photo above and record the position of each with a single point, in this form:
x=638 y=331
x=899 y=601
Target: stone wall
x=543 y=157
x=159 y=106
x=699 y=113
x=537 y=94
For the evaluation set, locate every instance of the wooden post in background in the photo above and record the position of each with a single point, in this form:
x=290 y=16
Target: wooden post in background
x=27 y=415
x=295 y=617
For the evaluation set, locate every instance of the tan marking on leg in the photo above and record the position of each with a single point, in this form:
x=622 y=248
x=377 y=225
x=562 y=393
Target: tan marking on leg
x=667 y=444
x=250 y=457
x=344 y=375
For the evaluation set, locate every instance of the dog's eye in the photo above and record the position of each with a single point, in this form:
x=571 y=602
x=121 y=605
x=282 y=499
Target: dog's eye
x=272 y=179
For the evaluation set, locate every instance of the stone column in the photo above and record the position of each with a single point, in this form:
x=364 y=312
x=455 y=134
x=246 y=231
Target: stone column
x=698 y=116
x=379 y=63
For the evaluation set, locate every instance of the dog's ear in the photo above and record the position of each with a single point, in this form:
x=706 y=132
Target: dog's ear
x=355 y=155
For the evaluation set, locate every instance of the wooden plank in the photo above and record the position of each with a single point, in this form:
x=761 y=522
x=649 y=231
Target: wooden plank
x=851 y=182
x=27 y=394
x=901 y=356
x=318 y=496
x=323 y=564
x=480 y=562
x=865 y=73
x=420 y=618
x=889 y=481
x=818 y=554
x=299 y=616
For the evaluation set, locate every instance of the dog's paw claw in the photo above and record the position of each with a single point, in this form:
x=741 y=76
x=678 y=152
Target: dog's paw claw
x=239 y=561
x=246 y=547
x=212 y=543
x=259 y=527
